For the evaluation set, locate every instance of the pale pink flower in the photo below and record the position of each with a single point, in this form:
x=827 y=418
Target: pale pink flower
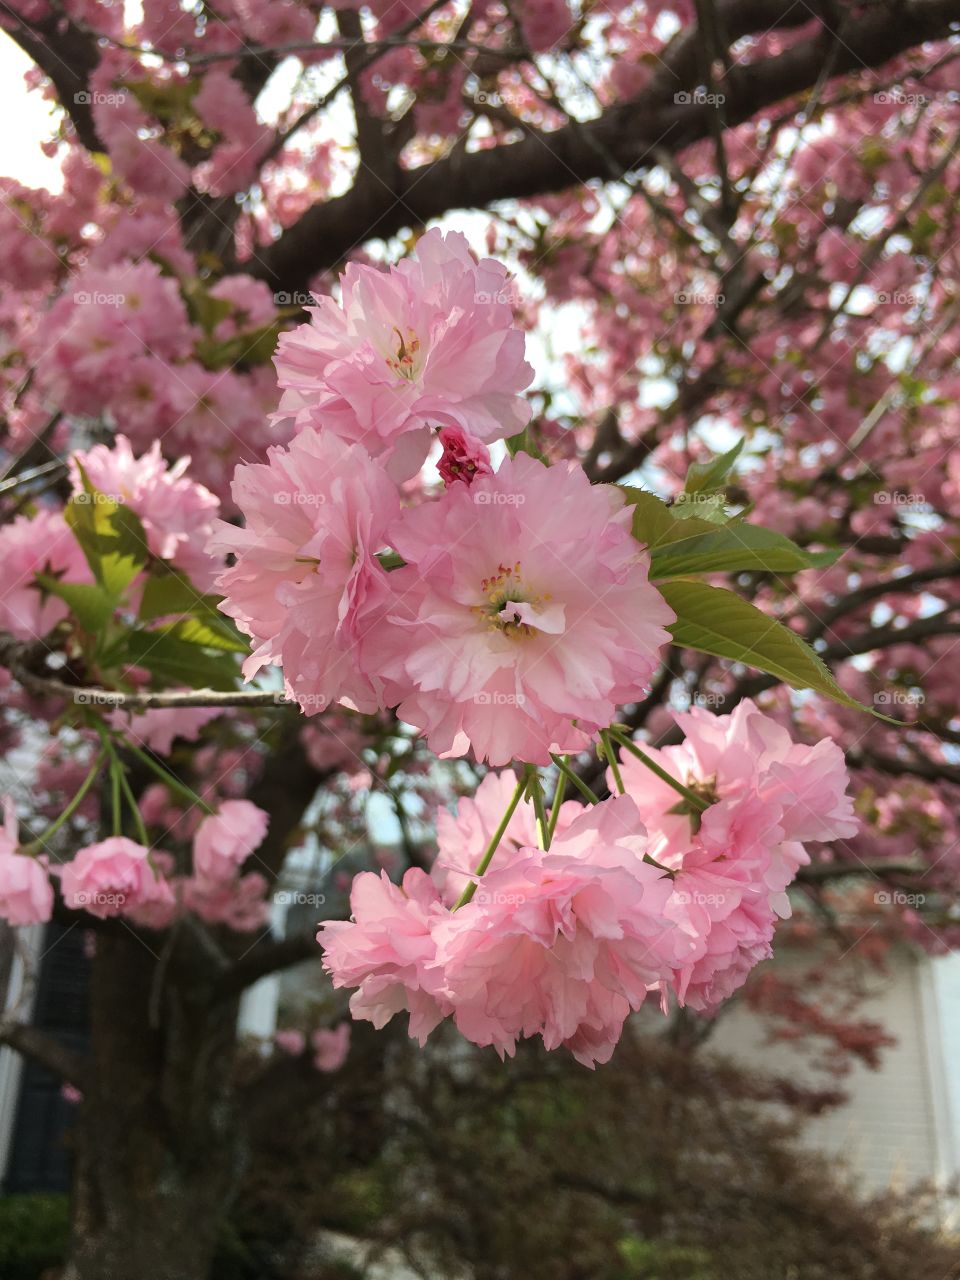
x=430 y=343
x=768 y=794
x=31 y=545
x=523 y=606
x=306 y=581
x=330 y=1047
x=291 y=1041
x=111 y=877
x=26 y=895
x=387 y=949
x=240 y=904
x=463 y=837
x=157 y=727
x=225 y=839
x=562 y=944
x=176 y=512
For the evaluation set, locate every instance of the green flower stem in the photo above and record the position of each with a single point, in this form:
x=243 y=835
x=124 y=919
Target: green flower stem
x=556 y=805
x=578 y=782
x=611 y=756
x=491 y=848
x=36 y=845
x=698 y=802
x=115 y=794
x=171 y=780
x=536 y=795
x=134 y=807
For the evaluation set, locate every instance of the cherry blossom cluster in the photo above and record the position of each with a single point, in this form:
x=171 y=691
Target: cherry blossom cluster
x=520 y=616
x=563 y=937
x=122 y=877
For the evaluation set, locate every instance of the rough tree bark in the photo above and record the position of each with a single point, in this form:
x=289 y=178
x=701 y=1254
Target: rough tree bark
x=158 y=1143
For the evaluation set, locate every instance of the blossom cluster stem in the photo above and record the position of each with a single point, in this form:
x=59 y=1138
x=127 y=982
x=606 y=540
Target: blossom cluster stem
x=36 y=845
x=492 y=847
x=698 y=802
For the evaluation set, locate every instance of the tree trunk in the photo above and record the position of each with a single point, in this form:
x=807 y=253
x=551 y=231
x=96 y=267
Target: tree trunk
x=157 y=1143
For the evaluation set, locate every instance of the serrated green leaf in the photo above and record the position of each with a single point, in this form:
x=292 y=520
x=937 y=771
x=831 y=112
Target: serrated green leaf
x=655 y=524
x=174 y=661
x=703 y=477
x=716 y=621
x=734 y=548
x=89 y=602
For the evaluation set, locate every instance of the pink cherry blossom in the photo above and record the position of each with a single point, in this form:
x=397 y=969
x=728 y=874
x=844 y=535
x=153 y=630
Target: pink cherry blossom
x=26 y=895
x=31 y=545
x=113 y=877
x=225 y=839
x=331 y=1047
x=429 y=343
x=387 y=949
x=176 y=512
x=238 y=903
x=523 y=606
x=562 y=944
x=291 y=1041
x=306 y=581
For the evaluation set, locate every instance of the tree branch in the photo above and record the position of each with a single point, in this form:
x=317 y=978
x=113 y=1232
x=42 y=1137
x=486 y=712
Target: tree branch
x=629 y=132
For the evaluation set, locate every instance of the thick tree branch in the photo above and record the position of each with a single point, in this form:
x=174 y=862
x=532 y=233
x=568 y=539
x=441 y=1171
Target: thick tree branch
x=44 y=1050
x=630 y=133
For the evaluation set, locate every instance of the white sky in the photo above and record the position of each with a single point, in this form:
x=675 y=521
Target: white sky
x=28 y=122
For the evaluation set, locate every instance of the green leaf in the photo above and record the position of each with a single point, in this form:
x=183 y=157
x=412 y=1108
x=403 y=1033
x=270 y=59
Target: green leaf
x=703 y=477
x=197 y=631
x=175 y=661
x=716 y=621
x=89 y=603
x=171 y=594
x=110 y=535
x=657 y=525
x=734 y=548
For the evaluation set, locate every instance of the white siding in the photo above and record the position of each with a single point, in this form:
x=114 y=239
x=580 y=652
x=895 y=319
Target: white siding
x=896 y=1129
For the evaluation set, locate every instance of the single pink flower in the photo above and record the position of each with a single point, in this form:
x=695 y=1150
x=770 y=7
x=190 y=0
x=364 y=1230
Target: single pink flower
x=31 y=545
x=112 y=877
x=331 y=1047
x=26 y=895
x=430 y=343
x=387 y=949
x=225 y=839
x=306 y=583
x=176 y=512
x=290 y=1041
x=523 y=607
